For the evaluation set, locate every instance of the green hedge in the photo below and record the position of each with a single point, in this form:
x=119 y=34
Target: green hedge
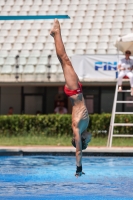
x=59 y=124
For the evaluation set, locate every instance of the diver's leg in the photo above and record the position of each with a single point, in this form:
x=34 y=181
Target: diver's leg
x=71 y=77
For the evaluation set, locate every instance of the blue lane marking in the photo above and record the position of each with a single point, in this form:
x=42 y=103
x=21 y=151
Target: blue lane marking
x=29 y=17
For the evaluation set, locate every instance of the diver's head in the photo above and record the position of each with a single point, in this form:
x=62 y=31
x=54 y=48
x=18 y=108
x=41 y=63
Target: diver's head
x=85 y=138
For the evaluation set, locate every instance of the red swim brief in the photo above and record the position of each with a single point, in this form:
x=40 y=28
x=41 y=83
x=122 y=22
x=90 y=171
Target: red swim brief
x=69 y=92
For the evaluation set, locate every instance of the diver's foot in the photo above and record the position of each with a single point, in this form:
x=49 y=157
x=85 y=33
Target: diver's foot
x=55 y=29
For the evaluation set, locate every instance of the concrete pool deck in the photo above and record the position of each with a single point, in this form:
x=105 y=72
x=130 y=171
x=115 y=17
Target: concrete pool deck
x=63 y=150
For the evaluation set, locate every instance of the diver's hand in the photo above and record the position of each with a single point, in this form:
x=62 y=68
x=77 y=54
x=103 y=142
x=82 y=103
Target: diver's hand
x=79 y=174
x=79 y=171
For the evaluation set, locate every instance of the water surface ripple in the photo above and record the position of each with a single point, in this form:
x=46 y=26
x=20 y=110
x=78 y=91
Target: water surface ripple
x=52 y=177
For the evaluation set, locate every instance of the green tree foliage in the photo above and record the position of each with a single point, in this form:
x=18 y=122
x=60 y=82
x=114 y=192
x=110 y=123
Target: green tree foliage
x=59 y=125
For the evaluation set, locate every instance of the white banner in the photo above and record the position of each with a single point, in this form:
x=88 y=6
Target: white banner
x=96 y=67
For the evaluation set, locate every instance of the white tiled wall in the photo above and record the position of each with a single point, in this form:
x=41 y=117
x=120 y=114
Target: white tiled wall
x=92 y=29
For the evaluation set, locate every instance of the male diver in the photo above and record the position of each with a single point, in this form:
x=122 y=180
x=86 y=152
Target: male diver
x=73 y=89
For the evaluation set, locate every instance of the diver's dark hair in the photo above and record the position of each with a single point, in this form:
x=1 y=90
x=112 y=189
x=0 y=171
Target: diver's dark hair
x=84 y=146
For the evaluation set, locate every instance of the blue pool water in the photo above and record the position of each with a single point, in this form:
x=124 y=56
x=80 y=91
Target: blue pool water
x=52 y=178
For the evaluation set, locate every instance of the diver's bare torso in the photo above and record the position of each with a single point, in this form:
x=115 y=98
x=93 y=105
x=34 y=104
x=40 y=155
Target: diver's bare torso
x=80 y=117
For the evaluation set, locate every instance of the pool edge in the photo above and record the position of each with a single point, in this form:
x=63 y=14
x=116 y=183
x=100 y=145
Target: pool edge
x=63 y=151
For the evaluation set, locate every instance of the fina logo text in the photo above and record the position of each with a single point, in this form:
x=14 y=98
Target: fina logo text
x=106 y=66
